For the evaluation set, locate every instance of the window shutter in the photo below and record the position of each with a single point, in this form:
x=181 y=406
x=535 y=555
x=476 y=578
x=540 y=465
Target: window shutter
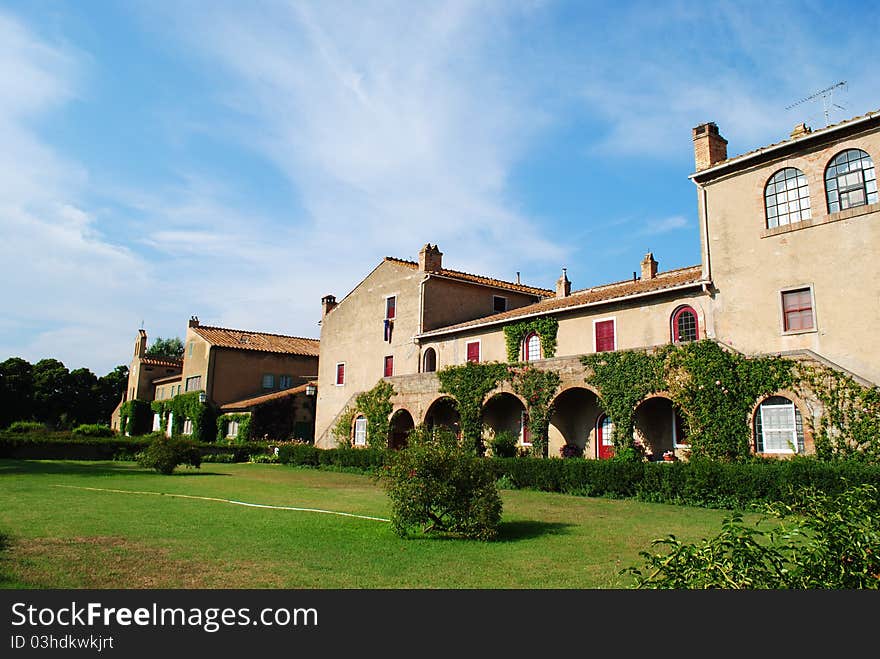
x=605 y=335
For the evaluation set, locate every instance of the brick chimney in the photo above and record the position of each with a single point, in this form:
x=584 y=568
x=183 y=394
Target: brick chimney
x=194 y=321
x=563 y=286
x=800 y=130
x=649 y=266
x=140 y=347
x=327 y=304
x=430 y=258
x=709 y=147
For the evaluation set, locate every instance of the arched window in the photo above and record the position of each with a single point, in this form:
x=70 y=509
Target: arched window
x=787 y=197
x=360 y=431
x=850 y=181
x=779 y=427
x=532 y=347
x=604 y=434
x=429 y=362
x=684 y=325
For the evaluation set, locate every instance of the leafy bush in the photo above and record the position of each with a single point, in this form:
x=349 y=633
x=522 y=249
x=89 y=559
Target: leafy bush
x=297 y=453
x=220 y=457
x=26 y=426
x=164 y=454
x=503 y=444
x=93 y=430
x=437 y=485
x=822 y=542
x=571 y=451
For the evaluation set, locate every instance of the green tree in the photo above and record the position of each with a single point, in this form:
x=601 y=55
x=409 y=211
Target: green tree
x=169 y=348
x=82 y=406
x=52 y=392
x=108 y=392
x=16 y=391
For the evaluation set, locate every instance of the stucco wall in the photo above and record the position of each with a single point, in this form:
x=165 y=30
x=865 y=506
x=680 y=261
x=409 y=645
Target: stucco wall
x=449 y=302
x=238 y=374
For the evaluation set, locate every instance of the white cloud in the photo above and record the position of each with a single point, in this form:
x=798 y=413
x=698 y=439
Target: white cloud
x=665 y=225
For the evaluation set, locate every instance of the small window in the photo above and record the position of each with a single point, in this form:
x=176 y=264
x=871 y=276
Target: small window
x=157 y=422
x=604 y=330
x=850 y=181
x=190 y=352
x=390 y=307
x=787 y=198
x=532 y=347
x=797 y=310
x=430 y=361
x=187 y=427
x=360 y=431
x=285 y=381
x=340 y=374
x=779 y=427
x=232 y=429
x=499 y=303
x=194 y=383
x=389 y=366
x=684 y=325
x=473 y=351
x=268 y=381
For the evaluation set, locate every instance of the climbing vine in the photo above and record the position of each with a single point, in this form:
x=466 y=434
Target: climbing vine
x=538 y=388
x=850 y=426
x=546 y=327
x=376 y=406
x=134 y=417
x=342 y=428
x=187 y=406
x=244 y=427
x=468 y=384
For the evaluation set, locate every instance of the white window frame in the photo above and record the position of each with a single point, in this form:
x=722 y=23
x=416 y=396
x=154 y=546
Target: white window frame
x=601 y=439
x=790 y=289
x=336 y=374
x=528 y=338
x=479 y=343
x=157 y=422
x=232 y=429
x=596 y=321
x=360 y=431
x=794 y=438
x=187 y=427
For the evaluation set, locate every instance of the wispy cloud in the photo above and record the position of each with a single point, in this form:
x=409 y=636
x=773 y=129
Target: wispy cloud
x=665 y=225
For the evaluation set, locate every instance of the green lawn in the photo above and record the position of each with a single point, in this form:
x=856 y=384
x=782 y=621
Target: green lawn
x=63 y=537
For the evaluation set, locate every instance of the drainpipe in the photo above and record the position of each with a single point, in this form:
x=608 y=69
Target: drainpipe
x=707 y=255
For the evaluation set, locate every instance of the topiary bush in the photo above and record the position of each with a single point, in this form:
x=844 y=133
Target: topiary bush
x=438 y=486
x=164 y=454
x=93 y=430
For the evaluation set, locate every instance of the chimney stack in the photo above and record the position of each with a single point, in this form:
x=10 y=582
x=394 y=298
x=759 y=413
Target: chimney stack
x=193 y=321
x=709 y=147
x=563 y=286
x=800 y=130
x=327 y=304
x=649 y=266
x=140 y=348
x=430 y=258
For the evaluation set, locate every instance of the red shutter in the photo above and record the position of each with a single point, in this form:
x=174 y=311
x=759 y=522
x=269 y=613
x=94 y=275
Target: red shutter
x=390 y=307
x=340 y=374
x=473 y=351
x=605 y=335
x=389 y=366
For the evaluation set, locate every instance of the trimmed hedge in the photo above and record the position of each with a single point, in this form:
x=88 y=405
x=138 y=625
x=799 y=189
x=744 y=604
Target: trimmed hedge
x=307 y=455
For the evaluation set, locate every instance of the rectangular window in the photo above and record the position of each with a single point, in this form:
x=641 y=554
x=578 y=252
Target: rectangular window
x=157 y=422
x=604 y=330
x=389 y=366
x=187 y=427
x=232 y=429
x=473 y=351
x=390 y=307
x=190 y=353
x=797 y=310
x=194 y=383
x=778 y=428
x=268 y=381
x=340 y=374
x=499 y=303
x=285 y=381
x=360 y=431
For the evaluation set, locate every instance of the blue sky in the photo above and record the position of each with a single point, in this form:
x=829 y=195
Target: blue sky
x=238 y=161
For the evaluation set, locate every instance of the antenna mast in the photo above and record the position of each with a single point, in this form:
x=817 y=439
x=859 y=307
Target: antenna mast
x=827 y=95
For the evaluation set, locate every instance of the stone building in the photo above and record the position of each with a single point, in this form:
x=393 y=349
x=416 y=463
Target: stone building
x=789 y=233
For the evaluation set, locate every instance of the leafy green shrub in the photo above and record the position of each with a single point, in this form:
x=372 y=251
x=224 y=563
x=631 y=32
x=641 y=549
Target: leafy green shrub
x=264 y=458
x=503 y=444
x=220 y=457
x=822 y=541
x=437 y=485
x=93 y=430
x=296 y=453
x=571 y=451
x=26 y=426
x=164 y=454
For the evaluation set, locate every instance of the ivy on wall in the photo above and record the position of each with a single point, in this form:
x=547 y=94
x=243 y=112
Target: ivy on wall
x=546 y=327
x=376 y=406
x=538 y=388
x=187 y=406
x=244 y=427
x=134 y=417
x=342 y=428
x=468 y=384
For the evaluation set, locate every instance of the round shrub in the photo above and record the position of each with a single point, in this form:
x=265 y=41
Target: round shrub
x=164 y=454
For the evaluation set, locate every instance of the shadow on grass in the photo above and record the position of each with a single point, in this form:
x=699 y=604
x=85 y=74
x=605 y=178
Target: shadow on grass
x=98 y=468
x=513 y=531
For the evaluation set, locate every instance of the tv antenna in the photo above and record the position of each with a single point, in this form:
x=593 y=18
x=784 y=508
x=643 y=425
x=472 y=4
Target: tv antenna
x=827 y=96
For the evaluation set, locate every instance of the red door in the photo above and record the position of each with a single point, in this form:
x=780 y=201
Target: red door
x=473 y=351
x=604 y=431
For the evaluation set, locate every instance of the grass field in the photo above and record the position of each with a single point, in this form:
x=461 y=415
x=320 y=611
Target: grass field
x=63 y=536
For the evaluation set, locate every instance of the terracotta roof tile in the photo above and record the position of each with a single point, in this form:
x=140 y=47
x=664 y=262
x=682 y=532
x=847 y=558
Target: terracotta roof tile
x=260 y=341
x=479 y=279
x=587 y=296
x=265 y=398
x=162 y=361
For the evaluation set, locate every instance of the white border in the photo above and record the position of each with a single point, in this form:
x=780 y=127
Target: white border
x=336 y=374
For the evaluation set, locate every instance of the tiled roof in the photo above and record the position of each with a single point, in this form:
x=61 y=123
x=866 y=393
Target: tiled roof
x=162 y=361
x=590 y=296
x=261 y=341
x=748 y=155
x=478 y=279
x=265 y=398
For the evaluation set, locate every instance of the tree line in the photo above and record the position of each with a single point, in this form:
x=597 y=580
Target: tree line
x=50 y=393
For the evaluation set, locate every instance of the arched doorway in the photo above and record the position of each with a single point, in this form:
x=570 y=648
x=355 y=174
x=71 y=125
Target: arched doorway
x=573 y=421
x=401 y=425
x=604 y=437
x=443 y=412
x=504 y=412
x=429 y=361
x=659 y=426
